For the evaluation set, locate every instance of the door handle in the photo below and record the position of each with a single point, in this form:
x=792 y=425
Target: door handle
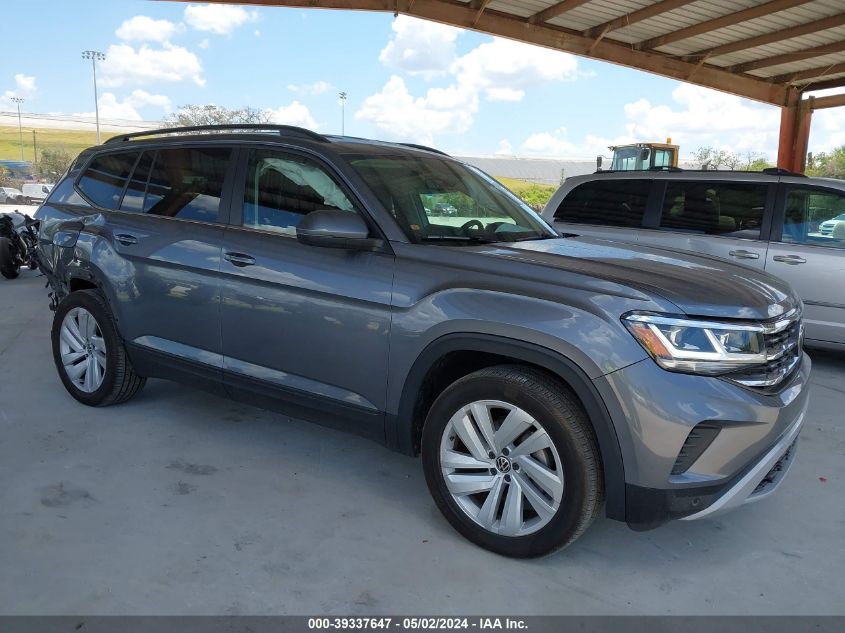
x=790 y=259
x=126 y=239
x=743 y=254
x=239 y=259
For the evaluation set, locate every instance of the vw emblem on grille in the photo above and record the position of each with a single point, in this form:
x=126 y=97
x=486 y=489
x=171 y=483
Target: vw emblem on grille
x=503 y=464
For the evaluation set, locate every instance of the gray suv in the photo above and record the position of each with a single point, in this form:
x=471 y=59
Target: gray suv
x=544 y=380
x=786 y=224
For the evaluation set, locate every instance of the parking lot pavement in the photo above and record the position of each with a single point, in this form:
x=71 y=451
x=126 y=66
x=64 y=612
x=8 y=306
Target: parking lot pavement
x=180 y=502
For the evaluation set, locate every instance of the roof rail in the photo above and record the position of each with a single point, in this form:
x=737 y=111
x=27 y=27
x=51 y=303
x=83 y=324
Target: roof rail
x=283 y=130
x=424 y=147
x=777 y=171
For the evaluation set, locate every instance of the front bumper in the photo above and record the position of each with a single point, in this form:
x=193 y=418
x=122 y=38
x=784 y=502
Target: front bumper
x=653 y=412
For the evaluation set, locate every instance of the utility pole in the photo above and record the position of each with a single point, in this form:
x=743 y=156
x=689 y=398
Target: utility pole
x=342 y=96
x=19 y=101
x=95 y=56
x=34 y=151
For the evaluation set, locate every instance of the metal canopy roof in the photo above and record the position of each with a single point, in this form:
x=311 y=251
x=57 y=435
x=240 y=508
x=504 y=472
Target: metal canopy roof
x=767 y=50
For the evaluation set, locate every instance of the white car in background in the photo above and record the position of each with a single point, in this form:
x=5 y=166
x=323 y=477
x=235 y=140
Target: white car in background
x=826 y=228
x=36 y=192
x=10 y=195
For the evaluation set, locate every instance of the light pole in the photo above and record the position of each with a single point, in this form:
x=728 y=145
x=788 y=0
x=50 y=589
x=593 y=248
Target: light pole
x=342 y=96
x=19 y=101
x=95 y=56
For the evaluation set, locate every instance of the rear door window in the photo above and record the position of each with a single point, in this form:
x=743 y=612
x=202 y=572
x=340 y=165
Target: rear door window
x=136 y=188
x=814 y=217
x=105 y=178
x=606 y=202
x=714 y=208
x=187 y=183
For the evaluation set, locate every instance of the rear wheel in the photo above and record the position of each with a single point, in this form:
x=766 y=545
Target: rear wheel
x=512 y=462
x=9 y=265
x=88 y=353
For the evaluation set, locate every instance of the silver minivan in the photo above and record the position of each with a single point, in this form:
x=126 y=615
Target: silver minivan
x=789 y=225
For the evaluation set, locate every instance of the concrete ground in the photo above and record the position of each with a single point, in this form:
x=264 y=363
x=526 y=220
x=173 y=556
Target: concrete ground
x=183 y=503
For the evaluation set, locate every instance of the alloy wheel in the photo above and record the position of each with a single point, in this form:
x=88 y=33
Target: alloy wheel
x=501 y=467
x=83 y=350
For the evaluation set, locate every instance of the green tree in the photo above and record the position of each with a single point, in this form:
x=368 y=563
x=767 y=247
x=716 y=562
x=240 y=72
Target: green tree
x=829 y=165
x=52 y=163
x=710 y=158
x=193 y=114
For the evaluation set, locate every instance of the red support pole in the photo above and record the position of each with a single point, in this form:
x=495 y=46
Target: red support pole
x=794 y=135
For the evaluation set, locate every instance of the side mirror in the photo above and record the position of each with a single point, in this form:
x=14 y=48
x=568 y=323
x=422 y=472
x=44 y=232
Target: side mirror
x=598 y=163
x=333 y=228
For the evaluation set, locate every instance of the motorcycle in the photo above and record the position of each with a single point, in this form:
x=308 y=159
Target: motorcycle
x=18 y=243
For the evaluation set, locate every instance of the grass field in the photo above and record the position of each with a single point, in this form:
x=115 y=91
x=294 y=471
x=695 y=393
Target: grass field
x=72 y=141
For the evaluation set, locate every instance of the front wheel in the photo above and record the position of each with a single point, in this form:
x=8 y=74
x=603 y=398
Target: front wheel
x=512 y=462
x=88 y=353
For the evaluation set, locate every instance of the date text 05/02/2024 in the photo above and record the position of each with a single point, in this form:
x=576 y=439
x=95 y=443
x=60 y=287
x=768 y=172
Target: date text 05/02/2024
x=417 y=623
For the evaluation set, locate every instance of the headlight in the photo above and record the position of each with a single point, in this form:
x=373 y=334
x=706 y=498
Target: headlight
x=702 y=347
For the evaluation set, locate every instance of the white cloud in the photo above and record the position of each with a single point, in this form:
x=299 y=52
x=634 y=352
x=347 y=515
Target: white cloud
x=404 y=117
x=24 y=88
x=113 y=108
x=420 y=46
x=145 y=29
x=220 y=19
x=317 y=88
x=505 y=67
x=497 y=70
x=293 y=114
x=126 y=65
x=698 y=117
x=505 y=148
x=706 y=118
x=504 y=94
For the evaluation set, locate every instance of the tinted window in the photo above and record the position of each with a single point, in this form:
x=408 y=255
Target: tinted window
x=133 y=199
x=714 y=208
x=281 y=189
x=105 y=178
x=814 y=216
x=187 y=183
x=606 y=202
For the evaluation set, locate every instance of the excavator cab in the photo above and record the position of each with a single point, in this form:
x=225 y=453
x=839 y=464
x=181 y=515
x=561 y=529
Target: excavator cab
x=642 y=156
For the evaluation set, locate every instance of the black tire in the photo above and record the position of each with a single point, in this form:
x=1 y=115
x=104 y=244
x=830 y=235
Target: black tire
x=120 y=382
x=9 y=267
x=556 y=408
x=27 y=200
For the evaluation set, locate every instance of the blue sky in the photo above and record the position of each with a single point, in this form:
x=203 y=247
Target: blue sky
x=406 y=79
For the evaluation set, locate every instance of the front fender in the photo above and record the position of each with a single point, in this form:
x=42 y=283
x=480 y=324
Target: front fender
x=401 y=427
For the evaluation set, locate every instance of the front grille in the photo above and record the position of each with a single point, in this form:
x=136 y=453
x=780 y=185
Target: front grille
x=784 y=342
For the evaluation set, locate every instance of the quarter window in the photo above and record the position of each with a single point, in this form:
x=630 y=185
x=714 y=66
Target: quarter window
x=281 y=189
x=105 y=178
x=815 y=217
x=606 y=202
x=714 y=208
x=187 y=183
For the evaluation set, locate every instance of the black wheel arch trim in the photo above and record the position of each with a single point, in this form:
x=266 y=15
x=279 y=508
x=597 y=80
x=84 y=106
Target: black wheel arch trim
x=401 y=428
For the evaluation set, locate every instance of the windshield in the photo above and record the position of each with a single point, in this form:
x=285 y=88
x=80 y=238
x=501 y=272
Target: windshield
x=442 y=200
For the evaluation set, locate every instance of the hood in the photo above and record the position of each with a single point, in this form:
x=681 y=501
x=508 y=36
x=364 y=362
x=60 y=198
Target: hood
x=699 y=285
